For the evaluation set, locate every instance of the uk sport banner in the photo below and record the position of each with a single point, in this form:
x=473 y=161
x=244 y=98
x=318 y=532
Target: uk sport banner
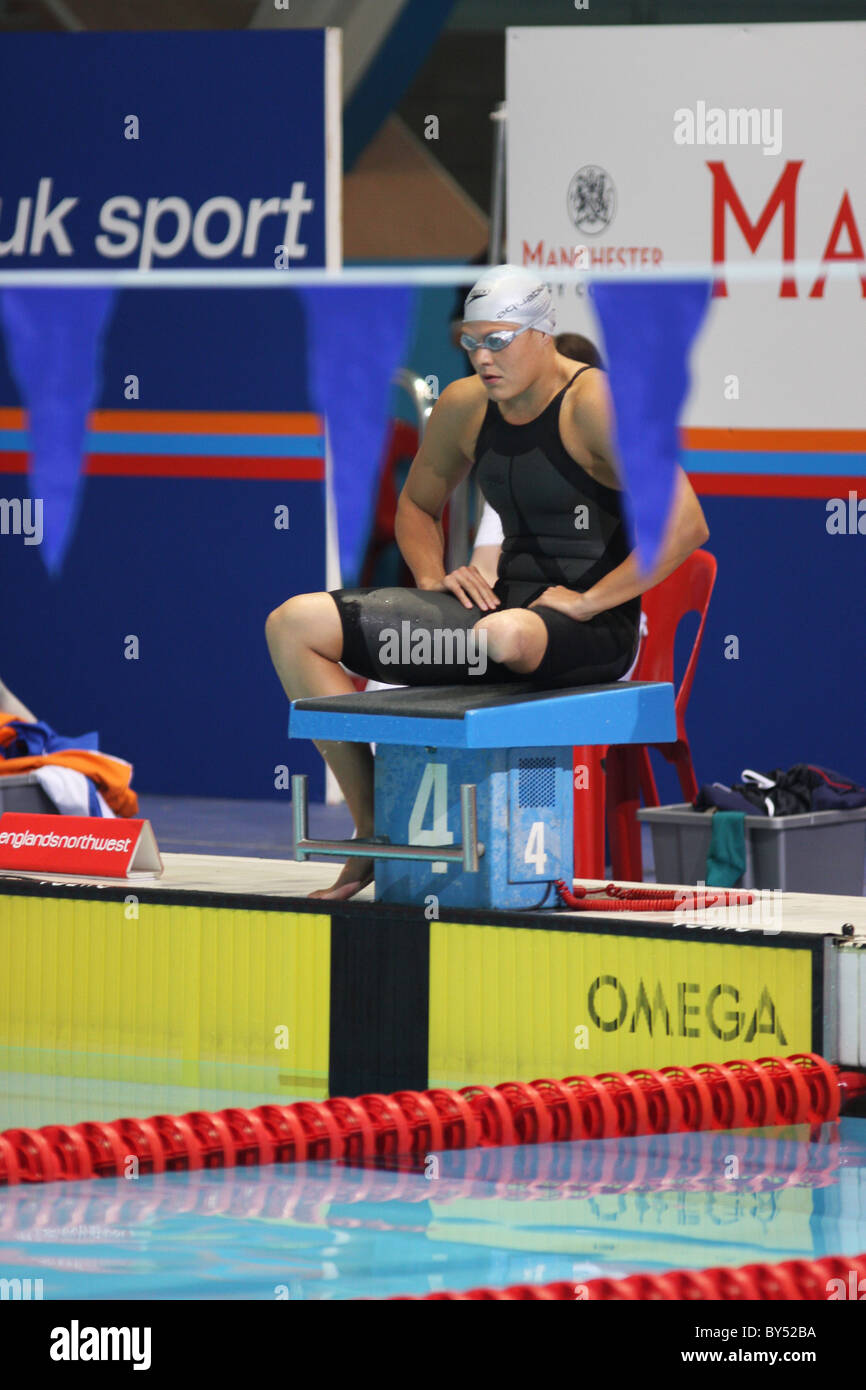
x=140 y=151
x=167 y=438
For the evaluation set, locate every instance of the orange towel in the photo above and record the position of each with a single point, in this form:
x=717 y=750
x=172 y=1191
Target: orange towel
x=111 y=776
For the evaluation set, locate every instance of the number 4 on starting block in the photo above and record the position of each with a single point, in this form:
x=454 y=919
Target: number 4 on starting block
x=524 y=804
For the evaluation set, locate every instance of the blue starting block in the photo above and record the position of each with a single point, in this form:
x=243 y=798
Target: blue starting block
x=474 y=790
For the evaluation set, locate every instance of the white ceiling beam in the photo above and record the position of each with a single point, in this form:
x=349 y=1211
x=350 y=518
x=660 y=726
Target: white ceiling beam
x=64 y=15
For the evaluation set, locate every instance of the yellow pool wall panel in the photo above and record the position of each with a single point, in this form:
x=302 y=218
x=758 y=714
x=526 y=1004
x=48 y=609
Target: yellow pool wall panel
x=170 y=994
x=511 y=1003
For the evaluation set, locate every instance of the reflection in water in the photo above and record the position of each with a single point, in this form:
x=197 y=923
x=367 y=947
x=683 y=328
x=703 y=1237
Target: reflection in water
x=448 y=1220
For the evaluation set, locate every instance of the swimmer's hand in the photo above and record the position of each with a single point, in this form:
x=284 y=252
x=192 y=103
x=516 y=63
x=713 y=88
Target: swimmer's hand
x=469 y=585
x=578 y=606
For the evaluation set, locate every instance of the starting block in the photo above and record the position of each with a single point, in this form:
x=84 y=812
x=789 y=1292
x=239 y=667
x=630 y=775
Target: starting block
x=474 y=792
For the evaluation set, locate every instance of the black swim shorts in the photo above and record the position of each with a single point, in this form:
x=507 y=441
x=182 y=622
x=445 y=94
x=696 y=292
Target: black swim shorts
x=405 y=636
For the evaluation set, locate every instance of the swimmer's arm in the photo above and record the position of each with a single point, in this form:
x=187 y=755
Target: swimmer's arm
x=485 y=558
x=421 y=540
x=441 y=464
x=12 y=706
x=686 y=529
x=437 y=468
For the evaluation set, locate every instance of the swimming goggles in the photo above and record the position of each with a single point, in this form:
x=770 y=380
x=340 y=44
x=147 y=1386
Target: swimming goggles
x=496 y=341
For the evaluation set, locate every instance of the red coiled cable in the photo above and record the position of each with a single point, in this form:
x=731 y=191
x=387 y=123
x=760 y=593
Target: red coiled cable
x=614 y=898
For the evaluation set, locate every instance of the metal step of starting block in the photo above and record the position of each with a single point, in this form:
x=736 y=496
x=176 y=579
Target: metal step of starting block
x=474 y=789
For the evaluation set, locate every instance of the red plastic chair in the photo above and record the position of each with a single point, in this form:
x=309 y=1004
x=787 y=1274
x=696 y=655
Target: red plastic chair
x=627 y=768
x=401 y=444
x=400 y=449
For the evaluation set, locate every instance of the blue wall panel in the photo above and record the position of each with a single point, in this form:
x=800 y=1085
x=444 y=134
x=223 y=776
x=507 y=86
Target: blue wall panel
x=794 y=596
x=190 y=565
x=192 y=569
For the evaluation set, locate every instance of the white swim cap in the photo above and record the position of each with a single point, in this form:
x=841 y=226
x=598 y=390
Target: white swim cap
x=510 y=294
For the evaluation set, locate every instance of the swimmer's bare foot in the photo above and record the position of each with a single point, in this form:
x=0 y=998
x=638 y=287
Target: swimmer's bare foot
x=354 y=876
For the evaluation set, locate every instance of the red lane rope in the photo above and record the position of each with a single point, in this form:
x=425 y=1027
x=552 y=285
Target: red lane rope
x=834 y=1276
x=614 y=898
x=801 y=1089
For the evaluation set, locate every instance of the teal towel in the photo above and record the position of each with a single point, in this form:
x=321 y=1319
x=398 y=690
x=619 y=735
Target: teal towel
x=726 y=857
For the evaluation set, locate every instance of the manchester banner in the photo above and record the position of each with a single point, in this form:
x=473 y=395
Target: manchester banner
x=648 y=146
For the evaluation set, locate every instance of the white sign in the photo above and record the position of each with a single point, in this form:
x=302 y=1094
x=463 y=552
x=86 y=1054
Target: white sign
x=649 y=146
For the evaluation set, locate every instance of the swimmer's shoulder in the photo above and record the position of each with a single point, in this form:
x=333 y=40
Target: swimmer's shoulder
x=586 y=423
x=464 y=395
x=585 y=383
x=461 y=409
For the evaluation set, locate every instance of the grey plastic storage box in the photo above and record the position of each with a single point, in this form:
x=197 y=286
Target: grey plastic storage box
x=817 y=852
x=21 y=791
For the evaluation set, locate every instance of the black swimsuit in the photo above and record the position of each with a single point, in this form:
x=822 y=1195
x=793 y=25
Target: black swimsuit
x=561 y=527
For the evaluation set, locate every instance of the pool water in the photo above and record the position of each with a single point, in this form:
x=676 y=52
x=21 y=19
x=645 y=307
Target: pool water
x=457 y=1220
